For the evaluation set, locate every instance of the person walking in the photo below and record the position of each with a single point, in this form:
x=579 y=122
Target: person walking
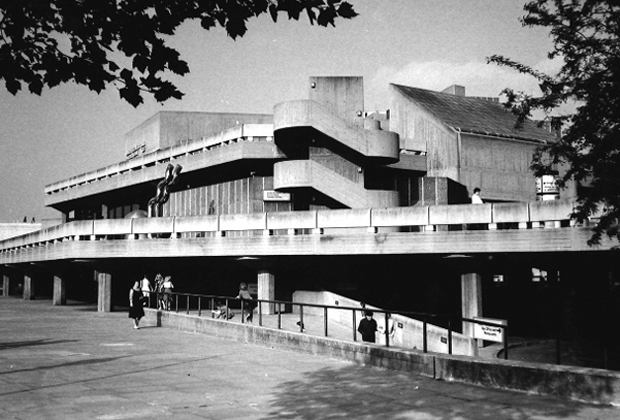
x=368 y=327
x=168 y=286
x=146 y=287
x=136 y=311
x=247 y=302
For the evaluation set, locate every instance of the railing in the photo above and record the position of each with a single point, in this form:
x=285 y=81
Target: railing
x=245 y=132
x=191 y=303
x=525 y=215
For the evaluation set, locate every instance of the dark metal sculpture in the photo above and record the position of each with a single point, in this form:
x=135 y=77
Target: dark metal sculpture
x=155 y=204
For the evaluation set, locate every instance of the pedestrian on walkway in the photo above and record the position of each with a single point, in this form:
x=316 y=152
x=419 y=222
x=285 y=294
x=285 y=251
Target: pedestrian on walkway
x=168 y=286
x=159 y=288
x=368 y=327
x=247 y=302
x=146 y=287
x=136 y=311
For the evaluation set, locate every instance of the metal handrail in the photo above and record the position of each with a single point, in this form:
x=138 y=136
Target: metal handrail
x=279 y=304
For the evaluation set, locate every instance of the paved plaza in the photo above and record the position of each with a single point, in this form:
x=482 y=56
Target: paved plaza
x=71 y=362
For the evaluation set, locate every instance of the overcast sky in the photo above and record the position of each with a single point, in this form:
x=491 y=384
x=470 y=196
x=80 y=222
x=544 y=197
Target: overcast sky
x=429 y=44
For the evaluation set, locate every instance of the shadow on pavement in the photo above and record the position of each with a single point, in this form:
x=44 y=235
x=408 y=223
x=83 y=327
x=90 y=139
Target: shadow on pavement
x=320 y=395
x=17 y=344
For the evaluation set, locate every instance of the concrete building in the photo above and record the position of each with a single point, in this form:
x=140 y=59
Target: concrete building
x=323 y=195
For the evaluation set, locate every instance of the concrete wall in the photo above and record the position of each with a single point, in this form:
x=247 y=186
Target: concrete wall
x=343 y=96
x=420 y=131
x=590 y=385
x=168 y=128
x=239 y=196
x=501 y=168
x=408 y=332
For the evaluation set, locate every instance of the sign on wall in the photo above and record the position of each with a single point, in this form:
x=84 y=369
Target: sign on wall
x=490 y=332
x=271 y=195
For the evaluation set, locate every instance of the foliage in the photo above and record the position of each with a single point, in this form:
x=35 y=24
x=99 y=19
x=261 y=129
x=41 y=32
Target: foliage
x=49 y=42
x=586 y=36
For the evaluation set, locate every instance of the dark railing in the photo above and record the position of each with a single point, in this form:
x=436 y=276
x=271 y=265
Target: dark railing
x=196 y=303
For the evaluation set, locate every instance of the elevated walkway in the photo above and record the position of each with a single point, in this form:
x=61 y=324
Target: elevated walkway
x=292 y=174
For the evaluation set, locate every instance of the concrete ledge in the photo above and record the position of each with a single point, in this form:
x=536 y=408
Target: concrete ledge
x=575 y=383
x=583 y=384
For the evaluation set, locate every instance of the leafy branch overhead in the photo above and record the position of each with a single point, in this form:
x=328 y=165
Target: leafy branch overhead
x=586 y=36
x=98 y=43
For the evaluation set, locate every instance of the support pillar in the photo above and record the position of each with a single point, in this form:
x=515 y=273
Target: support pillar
x=28 y=287
x=104 y=296
x=58 y=296
x=471 y=300
x=267 y=290
x=6 y=283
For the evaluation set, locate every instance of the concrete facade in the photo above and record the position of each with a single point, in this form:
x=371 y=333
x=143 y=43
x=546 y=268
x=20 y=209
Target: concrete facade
x=323 y=195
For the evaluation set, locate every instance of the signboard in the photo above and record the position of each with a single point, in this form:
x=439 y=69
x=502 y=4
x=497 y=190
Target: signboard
x=253 y=288
x=547 y=184
x=490 y=332
x=271 y=195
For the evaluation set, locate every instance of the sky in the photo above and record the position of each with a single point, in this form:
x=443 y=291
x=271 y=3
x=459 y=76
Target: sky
x=70 y=130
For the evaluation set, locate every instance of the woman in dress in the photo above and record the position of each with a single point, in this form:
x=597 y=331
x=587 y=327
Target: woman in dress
x=136 y=312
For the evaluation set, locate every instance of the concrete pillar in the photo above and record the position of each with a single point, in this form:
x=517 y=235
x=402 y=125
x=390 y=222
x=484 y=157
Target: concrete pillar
x=104 y=296
x=28 y=287
x=471 y=300
x=58 y=296
x=6 y=283
x=267 y=290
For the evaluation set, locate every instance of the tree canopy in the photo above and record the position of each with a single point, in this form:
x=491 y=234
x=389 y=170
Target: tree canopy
x=585 y=35
x=98 y=43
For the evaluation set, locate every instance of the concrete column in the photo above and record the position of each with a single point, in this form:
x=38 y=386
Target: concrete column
x=104 y=296
x=267 y=290
x=58 y=296
x=471 y=300
x=6 y=283
x=28 y=287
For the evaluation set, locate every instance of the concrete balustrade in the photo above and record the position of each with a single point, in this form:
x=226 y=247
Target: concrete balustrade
x=292 y=220
x=344 y=218
x=244 y=221
x=78 y=228
x=456 y=214
x=537 y=214
x=152 y=225
x=511 y=212
x=196 y=224
x=112 y=227
x=543 y=211
x=400 y=216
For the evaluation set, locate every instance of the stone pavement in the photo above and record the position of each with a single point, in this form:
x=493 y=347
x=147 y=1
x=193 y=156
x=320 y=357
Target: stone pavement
x=72 y=362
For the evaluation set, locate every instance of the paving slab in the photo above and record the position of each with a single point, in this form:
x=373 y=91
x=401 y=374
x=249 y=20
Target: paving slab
x=72 y=362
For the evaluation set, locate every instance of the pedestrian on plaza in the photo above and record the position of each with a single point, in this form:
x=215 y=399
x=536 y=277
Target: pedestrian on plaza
x=136 y=311
x=146 y=287
x=247 y=302
x=368 y=327
x=167 y=286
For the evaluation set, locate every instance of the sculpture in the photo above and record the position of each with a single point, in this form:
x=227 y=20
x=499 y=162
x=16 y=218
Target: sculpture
x=156 y=203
